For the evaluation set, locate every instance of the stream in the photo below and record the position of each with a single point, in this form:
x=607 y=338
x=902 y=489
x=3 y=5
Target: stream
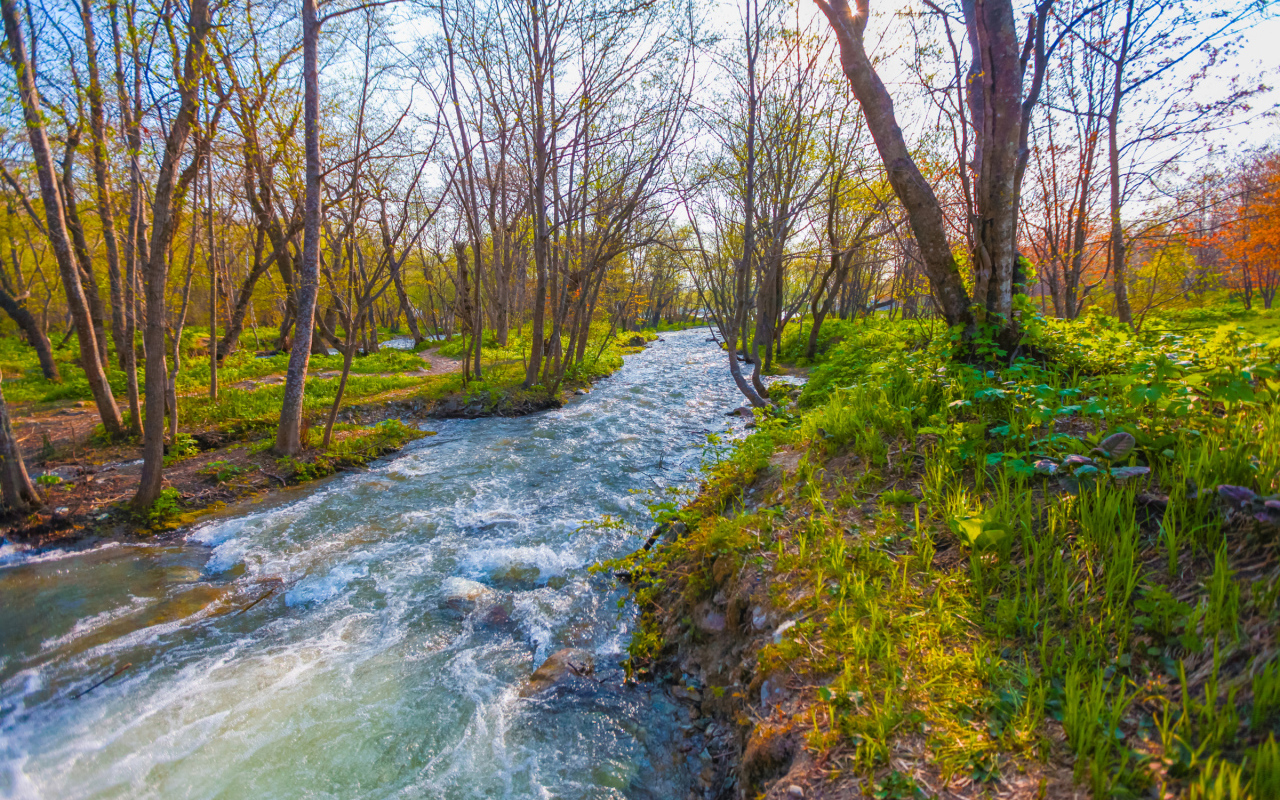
x=300 y=647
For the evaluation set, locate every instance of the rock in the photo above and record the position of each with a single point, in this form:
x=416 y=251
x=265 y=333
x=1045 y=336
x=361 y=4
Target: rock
x=769 y=693
x=464 y=596
x=497 y=617
x=561 y=668
x=516 y=576
x=742 y=411
x=636 y=341
x=759 y=619
x=580 y=392
x=450 y=406
x=707 y=619
x=65 y=473
x=767 y=754
x=794 y=791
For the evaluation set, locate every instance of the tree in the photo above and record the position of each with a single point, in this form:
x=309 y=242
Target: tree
x=1144 y=43
x=289 y=434
x=19 y=496
x=1000 y=96
x=55 y=222
x=164 y=214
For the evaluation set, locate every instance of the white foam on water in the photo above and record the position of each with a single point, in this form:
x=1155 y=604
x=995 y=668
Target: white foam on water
x=318 y=589
x=88 y=625
x=14 y=782
x=548 y=562
x=16 y=555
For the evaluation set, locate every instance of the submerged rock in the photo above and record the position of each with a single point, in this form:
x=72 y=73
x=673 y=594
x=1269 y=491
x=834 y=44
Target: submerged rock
x=464 y=596
x=563 y=667
x=517 y=575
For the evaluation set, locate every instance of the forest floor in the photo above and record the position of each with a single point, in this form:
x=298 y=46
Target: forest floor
x=223 y=454
x=923 y=578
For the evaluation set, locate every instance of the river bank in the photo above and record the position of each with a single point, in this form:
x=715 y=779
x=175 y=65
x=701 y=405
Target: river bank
x=224 y=458
x=1039 y=579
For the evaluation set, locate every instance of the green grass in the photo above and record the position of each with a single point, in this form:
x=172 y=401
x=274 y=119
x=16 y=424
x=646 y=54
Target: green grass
x=1149 y=640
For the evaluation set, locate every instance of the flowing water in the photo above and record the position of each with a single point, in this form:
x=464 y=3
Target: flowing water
x=300 y=649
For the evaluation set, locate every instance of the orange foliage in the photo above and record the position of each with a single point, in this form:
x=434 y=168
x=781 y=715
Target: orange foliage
x=1249 y=237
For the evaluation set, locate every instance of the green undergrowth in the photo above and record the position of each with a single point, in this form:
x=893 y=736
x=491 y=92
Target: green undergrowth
x=603 y=354
x=351 y=446
x=963 y=611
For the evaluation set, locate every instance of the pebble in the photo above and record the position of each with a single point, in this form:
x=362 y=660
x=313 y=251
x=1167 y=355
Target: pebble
x=783 y=628
x=794 y=791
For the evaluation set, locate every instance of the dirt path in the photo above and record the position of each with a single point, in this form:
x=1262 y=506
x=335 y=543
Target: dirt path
x=435 y=365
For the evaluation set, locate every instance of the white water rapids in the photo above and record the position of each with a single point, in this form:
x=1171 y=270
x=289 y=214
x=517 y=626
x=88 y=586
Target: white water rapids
x=347 y=679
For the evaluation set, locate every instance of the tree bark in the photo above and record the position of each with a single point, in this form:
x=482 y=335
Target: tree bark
x=56 y=223
x=541 y=232
x=16 y=308
x=289 y=434
x=742 y=270
x=134 y=236
x=164 y=218
x=20 y=497
x=106 y=213
x=924 y=212
x=1119 y=274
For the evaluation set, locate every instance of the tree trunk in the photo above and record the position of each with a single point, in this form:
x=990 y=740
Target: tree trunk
x=289 y=434
x=541 y=232
x=17 y=309
x=402 y=296
x=924 y=212
x=56 y=223
x=80 y=247
x=1119 y=275
x=742 y=270
x=20 y=497
x=132 y=136
x=244 y=298
x=163 y=221
x=175 y=337
x=348 y=351
x=213 y=284
x=106 y=212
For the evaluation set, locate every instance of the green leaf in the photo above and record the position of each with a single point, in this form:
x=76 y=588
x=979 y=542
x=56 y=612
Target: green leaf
x=1123 y=473
x=979 y=532
x=1116 y=446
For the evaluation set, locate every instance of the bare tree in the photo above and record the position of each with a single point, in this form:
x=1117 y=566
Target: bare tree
x=289 y=434
x=1001 y=88
x=55 y=222
x=165 y=213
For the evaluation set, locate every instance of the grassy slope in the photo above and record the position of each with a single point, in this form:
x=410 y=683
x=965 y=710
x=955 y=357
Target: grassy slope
x=1124 y=636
